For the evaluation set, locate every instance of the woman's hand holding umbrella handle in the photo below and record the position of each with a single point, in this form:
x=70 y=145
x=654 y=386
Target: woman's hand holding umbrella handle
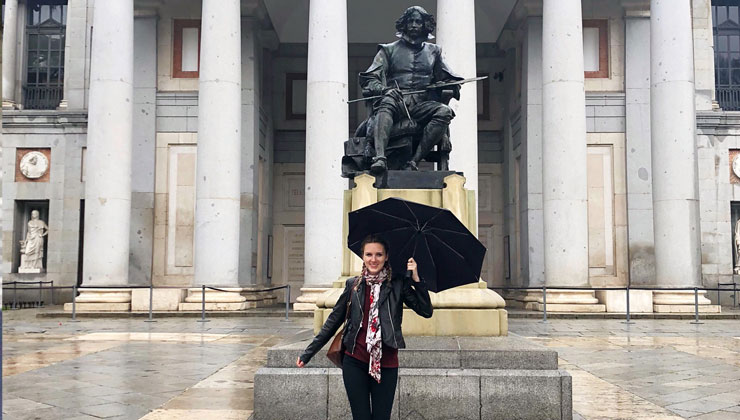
x=299 y=363
x=411 y=266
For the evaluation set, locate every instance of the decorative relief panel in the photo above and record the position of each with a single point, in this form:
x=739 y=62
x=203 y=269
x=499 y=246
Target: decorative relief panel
x=734 y=166
x=32 y=165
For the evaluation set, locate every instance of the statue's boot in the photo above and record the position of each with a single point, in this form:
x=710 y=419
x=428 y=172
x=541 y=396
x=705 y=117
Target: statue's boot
x=383 y=126
x=433 y=133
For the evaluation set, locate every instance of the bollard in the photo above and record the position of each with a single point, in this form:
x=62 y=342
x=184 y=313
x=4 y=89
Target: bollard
x=544 y=303
x=287 y=303
x=74 y=304
x=151 y=298
x=40 y=297
x=628 y=308
x=203 y=305
x=696 y=307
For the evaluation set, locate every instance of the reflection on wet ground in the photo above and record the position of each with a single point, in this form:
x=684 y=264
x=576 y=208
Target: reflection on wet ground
x=177 y=368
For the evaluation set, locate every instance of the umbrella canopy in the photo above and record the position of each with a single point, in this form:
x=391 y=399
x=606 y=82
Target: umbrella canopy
x=447 y=253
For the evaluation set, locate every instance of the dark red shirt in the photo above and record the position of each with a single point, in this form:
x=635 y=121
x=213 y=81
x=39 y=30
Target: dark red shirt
x=390 y=355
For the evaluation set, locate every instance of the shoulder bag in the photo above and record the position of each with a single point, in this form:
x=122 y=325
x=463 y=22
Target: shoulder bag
x=336 y=349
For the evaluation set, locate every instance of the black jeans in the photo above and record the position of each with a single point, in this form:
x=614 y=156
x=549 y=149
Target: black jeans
x=361 y=388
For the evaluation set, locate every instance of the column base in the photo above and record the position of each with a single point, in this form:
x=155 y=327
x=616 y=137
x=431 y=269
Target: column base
x=307 y=300
x=682 y=301
x=63 y=105
x=10 y=105
x=523 y=299
x=216 y=300
x=559 y=300
x=102 y=300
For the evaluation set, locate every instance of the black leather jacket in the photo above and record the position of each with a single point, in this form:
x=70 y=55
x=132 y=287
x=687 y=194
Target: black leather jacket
x=391 y=300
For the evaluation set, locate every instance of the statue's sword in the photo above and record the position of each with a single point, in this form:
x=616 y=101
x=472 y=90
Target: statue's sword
x=432 y=86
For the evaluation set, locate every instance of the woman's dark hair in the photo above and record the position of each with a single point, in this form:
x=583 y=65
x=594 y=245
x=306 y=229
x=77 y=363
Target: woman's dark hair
x=429 y=23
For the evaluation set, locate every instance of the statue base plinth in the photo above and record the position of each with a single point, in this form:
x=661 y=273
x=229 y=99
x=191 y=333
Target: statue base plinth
x=412 y=180
x=30 y=270
x=472 y=310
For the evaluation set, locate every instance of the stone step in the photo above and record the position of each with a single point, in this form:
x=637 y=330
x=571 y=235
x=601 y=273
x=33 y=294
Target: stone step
x=511 y=352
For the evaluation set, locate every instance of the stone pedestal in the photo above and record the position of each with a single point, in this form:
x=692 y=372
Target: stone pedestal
x=439 y=378
x=472 y=310
x=22 y=270
x=307 y=300
x=682 y=301
x=102 y=300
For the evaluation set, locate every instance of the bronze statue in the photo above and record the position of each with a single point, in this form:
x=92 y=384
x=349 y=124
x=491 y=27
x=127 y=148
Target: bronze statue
x=409 y=115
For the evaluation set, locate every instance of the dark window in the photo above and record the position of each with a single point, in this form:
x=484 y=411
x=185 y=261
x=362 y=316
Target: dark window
x=45 y=29
x=726 y=22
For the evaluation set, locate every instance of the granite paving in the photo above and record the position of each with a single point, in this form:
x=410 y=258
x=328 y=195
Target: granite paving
x=177 y=368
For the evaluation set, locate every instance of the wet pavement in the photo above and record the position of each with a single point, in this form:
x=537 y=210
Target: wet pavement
x=177 y=368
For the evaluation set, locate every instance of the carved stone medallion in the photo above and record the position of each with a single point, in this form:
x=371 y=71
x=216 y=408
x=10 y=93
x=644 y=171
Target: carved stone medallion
x=34 y=165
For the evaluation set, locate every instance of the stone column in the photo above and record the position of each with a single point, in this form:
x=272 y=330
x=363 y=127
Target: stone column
x=327 y=122
x=218 y=167
x=564 y=155
x=108 y=158
x=74 y=55
x=456 y=36
x=675 y=175
x=10 y=37
x=637 y=133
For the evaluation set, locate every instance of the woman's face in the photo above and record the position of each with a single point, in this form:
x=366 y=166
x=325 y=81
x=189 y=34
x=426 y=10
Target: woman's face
x=374 y=256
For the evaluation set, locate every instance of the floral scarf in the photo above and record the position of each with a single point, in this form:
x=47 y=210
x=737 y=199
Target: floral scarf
x=373 y=341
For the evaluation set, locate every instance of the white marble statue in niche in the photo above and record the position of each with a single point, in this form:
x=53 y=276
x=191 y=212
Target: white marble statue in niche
x=34 y=165
x=32 y=248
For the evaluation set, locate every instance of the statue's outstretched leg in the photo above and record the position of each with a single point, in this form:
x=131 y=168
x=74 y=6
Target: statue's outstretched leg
x=383 y=125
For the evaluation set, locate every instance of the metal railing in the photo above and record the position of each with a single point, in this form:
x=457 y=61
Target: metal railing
x=42 y=97
x=728 y=97
x=151 y=295
x=627 y=295
x=15 y=304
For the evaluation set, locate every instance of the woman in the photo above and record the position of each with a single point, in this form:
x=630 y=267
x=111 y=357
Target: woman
x=372 y=335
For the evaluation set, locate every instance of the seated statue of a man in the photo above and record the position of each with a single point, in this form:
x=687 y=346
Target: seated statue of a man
x=407 y=65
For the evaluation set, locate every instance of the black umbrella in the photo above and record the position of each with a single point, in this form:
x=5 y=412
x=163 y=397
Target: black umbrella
x=447 y=253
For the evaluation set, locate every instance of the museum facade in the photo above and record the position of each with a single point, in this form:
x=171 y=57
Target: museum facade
x=185 y=143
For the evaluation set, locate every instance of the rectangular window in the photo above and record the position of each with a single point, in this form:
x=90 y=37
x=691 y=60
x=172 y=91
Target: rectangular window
x=186 y=49
x=726 y=32
x=45 y=31
x=595 y=48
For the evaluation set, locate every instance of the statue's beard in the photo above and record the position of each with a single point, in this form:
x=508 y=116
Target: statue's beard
x=417 y=40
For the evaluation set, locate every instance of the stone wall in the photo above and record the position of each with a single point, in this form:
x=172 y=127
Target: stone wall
x=718 y=136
